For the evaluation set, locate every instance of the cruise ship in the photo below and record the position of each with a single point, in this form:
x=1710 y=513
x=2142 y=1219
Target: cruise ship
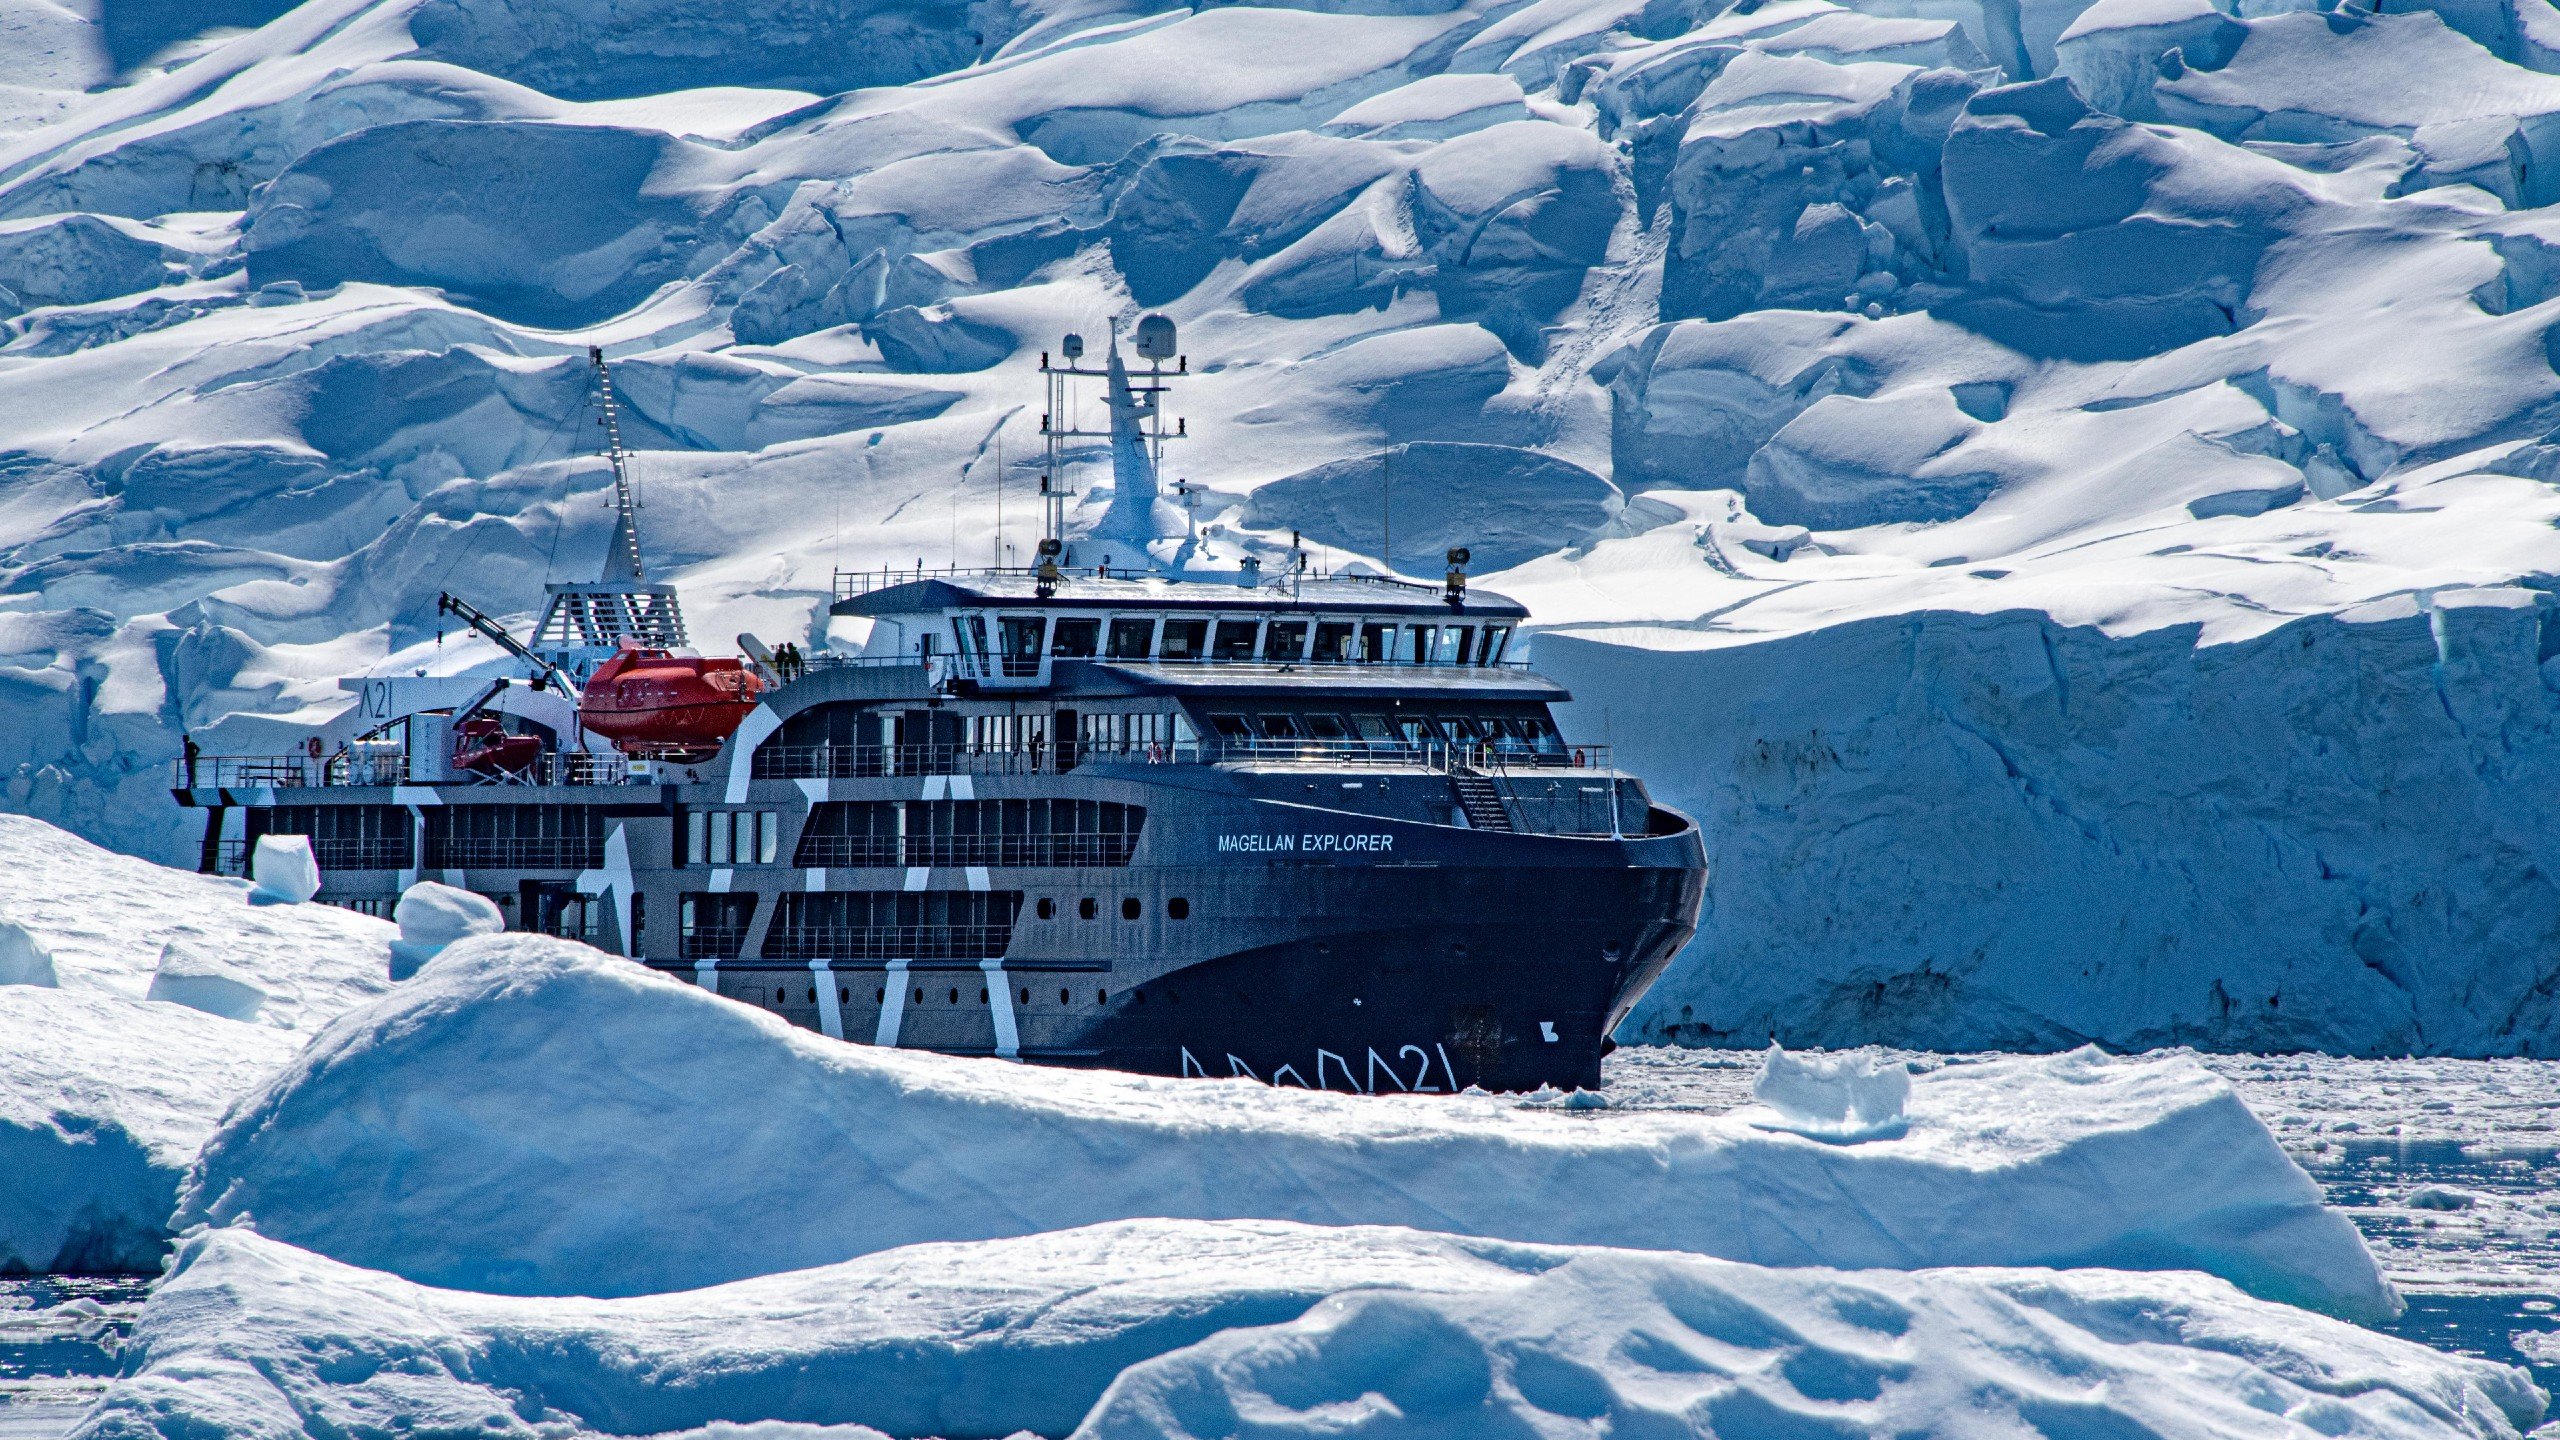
x=1316 y=830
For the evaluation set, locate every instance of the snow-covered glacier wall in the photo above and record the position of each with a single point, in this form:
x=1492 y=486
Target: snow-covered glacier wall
x=1999 y=831
x=2189 y=326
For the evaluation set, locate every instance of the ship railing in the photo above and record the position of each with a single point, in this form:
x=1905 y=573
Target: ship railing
x=538 y=852
x=250 y=772
x=1439 y=757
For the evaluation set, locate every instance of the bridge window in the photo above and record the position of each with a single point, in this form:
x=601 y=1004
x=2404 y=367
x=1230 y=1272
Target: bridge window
x=1074 y=638
x=1497 y=638
x=1417 y=643
x=1132 y=639
x=1334 y=640
x=1231 y=727
x=1235 y=639
x=1185 y=639
x=1285 y=640
x=1452 y=648
x=1377 y=642
x=1327 y=727
x=1278 y=727
x=1022 y=635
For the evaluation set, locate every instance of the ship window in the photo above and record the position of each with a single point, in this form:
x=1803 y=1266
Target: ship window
x=1132 y=639
x=732 y=837
x=1230 y=727
x=1185 y=639
x=1333 y=640
x=1326 y=727
x=1026 y=994
x=1178 y=908
x=1286 y=640
x=1022 y=636
x=1370 y=727
x=1130 y=909
x=972 y=632
x=1496 y=639
x=1463 y=727
x=1278 y=727
x=1062 y=997
x=1075 y=638
x=1086 y=909
x=955 y=994
x=1377 y=642
x=1417 y=643
x=1452 y=646
x=1048 y=908
x=1235 y=639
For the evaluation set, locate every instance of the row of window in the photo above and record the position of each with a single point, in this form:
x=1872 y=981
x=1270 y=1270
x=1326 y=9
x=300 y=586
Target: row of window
x=458 y=837
x=970 y=832
x=1521 y=732
x=877 y=924
x=1020 y=641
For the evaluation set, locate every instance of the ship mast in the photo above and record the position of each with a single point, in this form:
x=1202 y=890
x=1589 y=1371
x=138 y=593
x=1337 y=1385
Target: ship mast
x=1137 y=435
x=585 y=623
x=623 y=553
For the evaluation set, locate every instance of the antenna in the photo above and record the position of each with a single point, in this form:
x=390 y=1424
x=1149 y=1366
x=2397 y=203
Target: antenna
x=623 y=554
x=1137 y=432
x=1386 y=510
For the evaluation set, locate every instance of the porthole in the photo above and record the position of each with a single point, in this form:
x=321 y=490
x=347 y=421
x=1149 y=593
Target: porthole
x=955 y=994
x=1130 y=909
x=1026 y=994
x=1062 y=997
x=919 y=994
x=982 y=997
x=781 y=997
x=879 y=994
x=1098 y=997
x=1178 y=908
x=844 y=997
x=1048 y=908
x=1138 y=995
x=1087 y=909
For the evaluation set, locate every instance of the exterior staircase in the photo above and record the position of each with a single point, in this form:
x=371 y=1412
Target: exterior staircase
x=1480 y=799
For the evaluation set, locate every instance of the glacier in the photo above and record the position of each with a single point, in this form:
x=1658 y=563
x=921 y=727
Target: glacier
x=2168 y=338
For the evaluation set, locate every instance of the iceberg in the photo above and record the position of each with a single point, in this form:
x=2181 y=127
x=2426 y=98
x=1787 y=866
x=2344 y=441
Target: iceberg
x=163 y=998
x=1176 y=1328
x=528 y=1116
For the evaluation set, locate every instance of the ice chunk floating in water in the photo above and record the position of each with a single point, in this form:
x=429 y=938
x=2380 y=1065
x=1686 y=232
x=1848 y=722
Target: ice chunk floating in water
x=1855 y=1096
x=478 y=1127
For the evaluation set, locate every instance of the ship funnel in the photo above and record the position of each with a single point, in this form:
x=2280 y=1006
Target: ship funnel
x=1155 y=337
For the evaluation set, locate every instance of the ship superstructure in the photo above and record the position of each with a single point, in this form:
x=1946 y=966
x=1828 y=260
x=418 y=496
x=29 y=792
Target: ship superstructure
x=1315 y=830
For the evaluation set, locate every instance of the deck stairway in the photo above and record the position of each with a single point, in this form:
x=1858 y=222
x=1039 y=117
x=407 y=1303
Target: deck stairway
x=1478 y=797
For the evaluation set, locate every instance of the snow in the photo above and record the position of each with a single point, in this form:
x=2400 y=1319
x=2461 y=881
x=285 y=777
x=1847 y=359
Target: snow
x=1153 y=1327
x=164 y=997
x=487 y=1126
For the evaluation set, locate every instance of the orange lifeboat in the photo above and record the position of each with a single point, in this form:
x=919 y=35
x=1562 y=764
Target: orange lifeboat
x=660 y=704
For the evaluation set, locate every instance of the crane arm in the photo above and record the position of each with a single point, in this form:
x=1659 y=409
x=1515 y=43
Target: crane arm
x=471 y=617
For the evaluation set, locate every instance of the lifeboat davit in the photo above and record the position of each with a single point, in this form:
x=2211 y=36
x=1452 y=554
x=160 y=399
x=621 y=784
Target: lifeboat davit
x=659 y=704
